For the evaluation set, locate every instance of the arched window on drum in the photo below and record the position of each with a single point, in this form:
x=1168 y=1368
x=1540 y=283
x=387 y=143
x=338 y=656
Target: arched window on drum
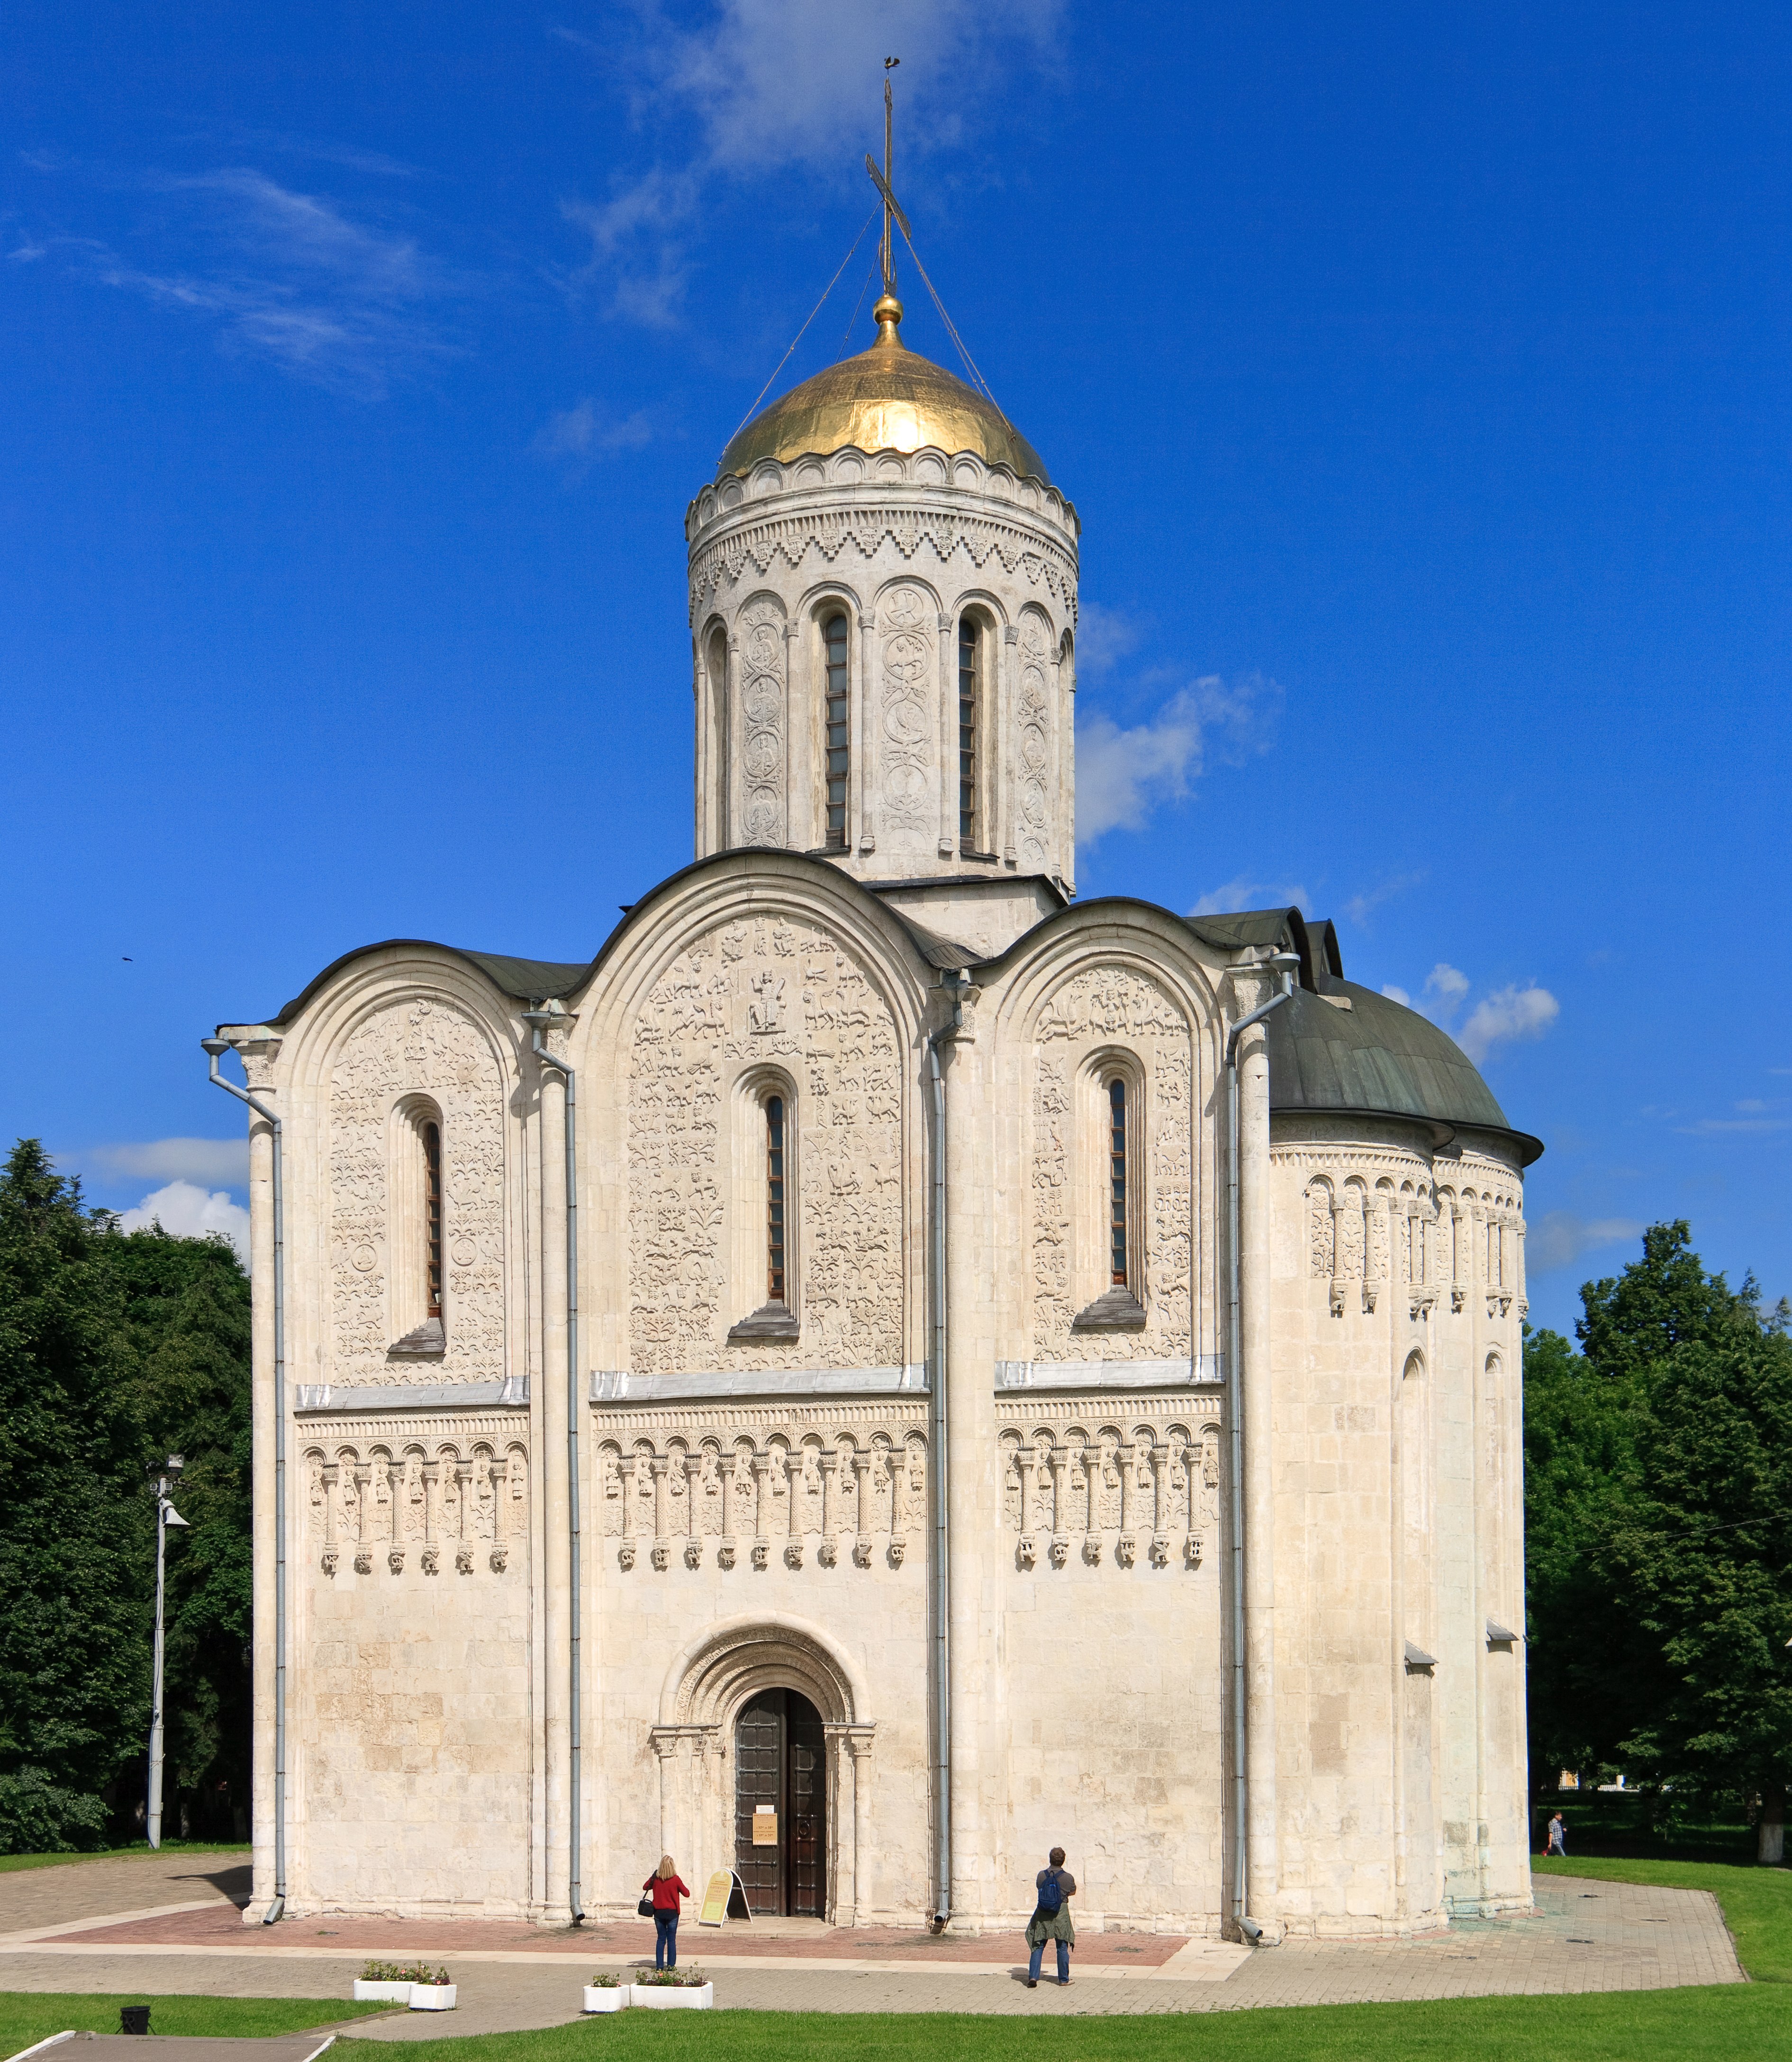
x=837 y=730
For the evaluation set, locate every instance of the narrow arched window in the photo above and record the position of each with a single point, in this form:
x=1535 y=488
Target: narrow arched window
x=431 y=1135
x=774 y=1199
x=1116 y=1183
x=840 y=750
x=968 y=769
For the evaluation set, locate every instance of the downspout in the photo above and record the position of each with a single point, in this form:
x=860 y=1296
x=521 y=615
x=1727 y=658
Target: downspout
x=534 y=1019
x=216 y=1049
x=1284 y=963
x=942 y=1586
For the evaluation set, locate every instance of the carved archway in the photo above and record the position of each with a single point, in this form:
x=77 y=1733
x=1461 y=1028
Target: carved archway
x=712 y=1677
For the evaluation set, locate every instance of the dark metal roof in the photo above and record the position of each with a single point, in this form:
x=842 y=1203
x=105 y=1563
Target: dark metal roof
x=1377 y=1058
x=534 y=980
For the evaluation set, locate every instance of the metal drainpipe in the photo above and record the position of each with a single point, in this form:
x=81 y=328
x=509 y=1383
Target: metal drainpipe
x=535 y=1018
x=1284 y=963
x=215 y=1049
x=942 y=1586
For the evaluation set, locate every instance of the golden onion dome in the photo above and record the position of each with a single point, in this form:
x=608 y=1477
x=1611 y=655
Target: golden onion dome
x=886 y=399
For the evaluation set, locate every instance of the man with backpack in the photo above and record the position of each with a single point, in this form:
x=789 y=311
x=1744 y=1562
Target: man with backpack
x=1050 y=1919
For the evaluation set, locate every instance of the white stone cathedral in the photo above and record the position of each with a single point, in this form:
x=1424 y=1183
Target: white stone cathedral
x=802 y=1390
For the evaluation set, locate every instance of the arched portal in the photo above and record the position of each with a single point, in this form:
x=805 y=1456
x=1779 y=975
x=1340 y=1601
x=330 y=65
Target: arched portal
x=769 y=1711
x=780 y=1804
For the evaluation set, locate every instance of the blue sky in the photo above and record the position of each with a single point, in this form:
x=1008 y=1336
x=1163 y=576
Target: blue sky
x=1420 y=375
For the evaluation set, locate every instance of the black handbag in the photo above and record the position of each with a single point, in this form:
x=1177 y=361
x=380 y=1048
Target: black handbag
x=645 y=1908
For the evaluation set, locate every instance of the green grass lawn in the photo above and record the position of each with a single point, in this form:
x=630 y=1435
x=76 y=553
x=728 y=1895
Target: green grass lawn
x=1716 y=2025
x=29 y=2016
x=1757 y=1902
x=8 y=1863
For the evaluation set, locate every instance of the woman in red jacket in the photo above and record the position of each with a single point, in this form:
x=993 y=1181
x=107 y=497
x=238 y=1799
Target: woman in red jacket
x=665 y=1887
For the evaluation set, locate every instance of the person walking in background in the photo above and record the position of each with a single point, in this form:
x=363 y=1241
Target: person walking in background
x=665 y=1887
x=1558 y=1838
x=1051 y=1920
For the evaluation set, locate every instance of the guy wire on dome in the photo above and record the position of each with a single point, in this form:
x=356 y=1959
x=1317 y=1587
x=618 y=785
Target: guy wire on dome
x=894 y=218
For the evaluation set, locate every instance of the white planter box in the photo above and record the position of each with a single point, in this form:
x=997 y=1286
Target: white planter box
x=665 y=1997
x=433 y=1997
x=599 y=1998
x=366 y=1993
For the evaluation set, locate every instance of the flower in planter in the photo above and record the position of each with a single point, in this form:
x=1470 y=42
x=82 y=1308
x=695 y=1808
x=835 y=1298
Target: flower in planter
x=673 y=1979
x=605 y=1982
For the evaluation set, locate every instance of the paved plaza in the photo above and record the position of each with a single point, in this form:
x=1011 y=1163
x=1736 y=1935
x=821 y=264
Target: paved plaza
x=169 y=1923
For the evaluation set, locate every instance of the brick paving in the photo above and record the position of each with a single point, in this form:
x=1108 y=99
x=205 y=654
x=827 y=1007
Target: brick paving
x=68 y=1929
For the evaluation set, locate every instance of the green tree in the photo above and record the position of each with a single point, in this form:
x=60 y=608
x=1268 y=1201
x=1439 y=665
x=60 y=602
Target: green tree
x=73 y=1660
x=116 y=1350
x=1658 y=1482
x=186 y=1313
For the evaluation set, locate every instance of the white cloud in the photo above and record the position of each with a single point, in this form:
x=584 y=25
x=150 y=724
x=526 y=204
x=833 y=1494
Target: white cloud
x=775 y=83
x=1122 y=776
x=634 y=249
x=1104 y=636
x=756 y=86
x=189 y=1212
x=1558 y=1238
x=580 y=434
x=289 y=277
x=1448 y=984
x=1396 y=994
x=224 y=1160
x=1359 y=908
x=1242 y=893
x=1506 y=1017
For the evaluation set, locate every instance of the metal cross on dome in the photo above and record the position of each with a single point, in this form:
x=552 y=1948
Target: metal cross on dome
x=892 y=208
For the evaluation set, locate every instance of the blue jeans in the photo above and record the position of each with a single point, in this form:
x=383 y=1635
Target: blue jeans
x=665 y=1940
x=1063 y=1962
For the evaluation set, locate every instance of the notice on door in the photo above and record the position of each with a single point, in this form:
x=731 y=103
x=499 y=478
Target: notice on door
x=765 y=1826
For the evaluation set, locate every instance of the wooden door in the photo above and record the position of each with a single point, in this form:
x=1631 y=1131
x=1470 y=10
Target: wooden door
x=806 y=1787
x=759 y=1784
x=780 y=1765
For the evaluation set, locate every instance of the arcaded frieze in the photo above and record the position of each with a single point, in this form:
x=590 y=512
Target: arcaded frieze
x=383 y=1500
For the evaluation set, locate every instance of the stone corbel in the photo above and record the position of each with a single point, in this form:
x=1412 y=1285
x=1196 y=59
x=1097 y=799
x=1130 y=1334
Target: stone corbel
x=1160 y=1550
x=395 y=1560
x=1458 y=1296
x=793 y=1552
x=861 y=1551
x=726 y=1551
x=1092 y=1549
x=364 y=1563
x=259 y=1048
x=432 y=1560
x=1126 y=1549
x=1421 y=1303
x=625 y=1555
x=898 y=1546
x=463 y=1560
x=1370 y=1290
x=1191 y=1551
x=662 y=1554
x=329 y=1560
x=693 y=1552
x=1060 y=1550
x=1026 y=1553
x=498 y=1560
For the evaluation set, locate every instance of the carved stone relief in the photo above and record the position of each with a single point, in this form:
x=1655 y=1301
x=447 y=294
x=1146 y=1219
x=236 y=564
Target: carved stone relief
x=1119 y=1007
x=759 y=547
x=761 y=632
x=1073 y=1485
x=1375 y=1218
x=762 y=1486
x=906 y=755
x=425 y=1501
x=766 y=991
x=1033 y=716
x=428 y=1046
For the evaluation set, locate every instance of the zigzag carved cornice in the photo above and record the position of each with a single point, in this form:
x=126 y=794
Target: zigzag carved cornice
x=791 y=538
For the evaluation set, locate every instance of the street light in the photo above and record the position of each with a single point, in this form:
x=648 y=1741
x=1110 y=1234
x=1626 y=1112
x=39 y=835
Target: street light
x=164 y=1474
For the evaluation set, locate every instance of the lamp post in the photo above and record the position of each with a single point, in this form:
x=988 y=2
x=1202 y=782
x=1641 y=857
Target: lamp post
x=164 y=1474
